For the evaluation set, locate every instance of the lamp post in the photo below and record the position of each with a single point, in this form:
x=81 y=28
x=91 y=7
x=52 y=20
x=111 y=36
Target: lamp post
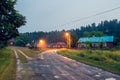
x=41 y=43
x=68 y=39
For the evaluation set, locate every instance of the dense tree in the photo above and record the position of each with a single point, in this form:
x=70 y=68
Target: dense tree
x=93 y=33
x=10 y=21
x=22 y=40
x=110 y=28
x=74 y=40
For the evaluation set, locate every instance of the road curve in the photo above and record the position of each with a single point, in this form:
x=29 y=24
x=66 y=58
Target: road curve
x=51 y=66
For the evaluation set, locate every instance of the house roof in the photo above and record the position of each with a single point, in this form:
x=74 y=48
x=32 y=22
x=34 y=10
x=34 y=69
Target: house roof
x=97 y=39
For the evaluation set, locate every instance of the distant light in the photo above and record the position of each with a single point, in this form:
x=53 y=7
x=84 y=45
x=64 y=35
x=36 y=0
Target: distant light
x=67 y=34
x=41 y=43
x=55 y=50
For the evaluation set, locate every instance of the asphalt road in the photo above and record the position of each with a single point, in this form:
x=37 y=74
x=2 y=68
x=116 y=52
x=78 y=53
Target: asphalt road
x=51 y=66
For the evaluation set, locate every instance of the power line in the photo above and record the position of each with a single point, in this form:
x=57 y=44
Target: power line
x=84 y=18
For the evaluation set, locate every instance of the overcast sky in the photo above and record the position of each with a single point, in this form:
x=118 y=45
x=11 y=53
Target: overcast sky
x=48 y=15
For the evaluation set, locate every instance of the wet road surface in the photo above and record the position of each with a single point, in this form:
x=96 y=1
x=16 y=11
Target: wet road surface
x=51 y=66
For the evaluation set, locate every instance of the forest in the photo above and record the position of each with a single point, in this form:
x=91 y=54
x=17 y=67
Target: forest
x=108 y=28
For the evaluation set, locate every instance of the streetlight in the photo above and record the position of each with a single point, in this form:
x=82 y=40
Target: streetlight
x=67 y=34
x=41 y=43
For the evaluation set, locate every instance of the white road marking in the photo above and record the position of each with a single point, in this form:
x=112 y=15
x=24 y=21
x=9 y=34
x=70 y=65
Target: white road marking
x=17 y=57
x=19 y=68
x=97 y=75
x=110 y=79
x=29 y=58
x=44 y=65
x=65 y=74
x=41 y=56
x=56 y=76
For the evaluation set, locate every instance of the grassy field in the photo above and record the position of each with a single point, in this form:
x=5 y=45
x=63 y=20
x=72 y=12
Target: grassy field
x=106 y=59
x=7 y=64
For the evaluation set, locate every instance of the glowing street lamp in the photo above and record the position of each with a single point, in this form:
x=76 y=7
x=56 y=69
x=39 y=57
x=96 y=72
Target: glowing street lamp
x=67 y=34
x=41 y=43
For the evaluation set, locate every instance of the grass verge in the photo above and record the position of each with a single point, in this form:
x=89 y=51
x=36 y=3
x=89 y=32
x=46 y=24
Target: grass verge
x=105 y=59
x=7 y=64
x=21 y=57
x=29 y=52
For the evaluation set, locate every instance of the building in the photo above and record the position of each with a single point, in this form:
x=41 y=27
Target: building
x=28 y=45
x=57 y=45
x=11 y=42
x=96 y=42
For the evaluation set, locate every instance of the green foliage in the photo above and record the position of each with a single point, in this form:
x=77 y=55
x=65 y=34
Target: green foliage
x=10 y=21
x=93 y=33
x=22 y=40
x=74 y=39
x=117 y=42
x=109 y=28
x=50 y=37
x=22 y=58
x=102 y=45
x=114 y=55
x=3 y=44
x=99 y=58
x=29 y=52
x=88 y=45
x=7 y=64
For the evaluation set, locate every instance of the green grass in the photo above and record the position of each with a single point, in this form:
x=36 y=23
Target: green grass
x=21 y=57
x=7 y=64
x=105 y=59
x=8 y=61
x=29 y=52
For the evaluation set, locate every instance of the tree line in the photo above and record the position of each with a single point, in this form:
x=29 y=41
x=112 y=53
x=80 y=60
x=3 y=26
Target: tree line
x=11 y=20
x=108 y=28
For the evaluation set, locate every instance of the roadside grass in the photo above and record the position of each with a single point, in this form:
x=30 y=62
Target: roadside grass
x=21 y=57
x=7 y=64
x=106 y=59
x=29 y=52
